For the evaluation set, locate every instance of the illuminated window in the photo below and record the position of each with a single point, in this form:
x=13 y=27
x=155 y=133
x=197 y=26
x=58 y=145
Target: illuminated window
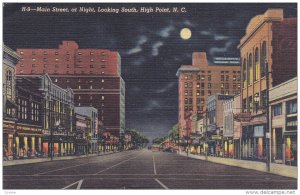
x=256 y=63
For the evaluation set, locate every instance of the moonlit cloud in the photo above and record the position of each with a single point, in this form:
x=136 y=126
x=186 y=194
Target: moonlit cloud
x=155 y=48
x=141 y=40
x=134 y=50
x=224 y=49
x=188 y=23
x=139 y=61
x=165 y=32
x=151 y=105
x=166 y=88
x=204 y=32
x=220 y=37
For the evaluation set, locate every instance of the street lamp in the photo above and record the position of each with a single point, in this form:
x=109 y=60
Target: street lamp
x=256 y=101
x=56 y=127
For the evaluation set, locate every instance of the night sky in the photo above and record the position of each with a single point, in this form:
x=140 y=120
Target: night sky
x=149 y=44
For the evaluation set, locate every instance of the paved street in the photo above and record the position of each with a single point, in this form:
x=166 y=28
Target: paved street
x=138 y=169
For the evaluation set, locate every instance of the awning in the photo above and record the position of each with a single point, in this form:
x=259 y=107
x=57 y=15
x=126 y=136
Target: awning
x=29 y=133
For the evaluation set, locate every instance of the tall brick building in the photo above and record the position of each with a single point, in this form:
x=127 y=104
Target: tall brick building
x=199 y=81
x=93 y=74
x=271 y=40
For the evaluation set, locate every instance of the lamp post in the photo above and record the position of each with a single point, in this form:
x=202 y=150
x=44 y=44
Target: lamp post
x=256 y=101
x=51 y=137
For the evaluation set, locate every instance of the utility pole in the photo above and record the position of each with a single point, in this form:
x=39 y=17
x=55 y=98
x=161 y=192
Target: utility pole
x=268 y=122
x=206 y=134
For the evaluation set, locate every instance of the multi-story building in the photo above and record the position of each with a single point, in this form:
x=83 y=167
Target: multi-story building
x=10 y=59
x=92 y=131
x=283 y=119
x=270 y=43
x=81 y=128
x=57 y=114
x=231 y=127
x=29 y=125
x=199 y=81
x=93 y=74
x=214 y=126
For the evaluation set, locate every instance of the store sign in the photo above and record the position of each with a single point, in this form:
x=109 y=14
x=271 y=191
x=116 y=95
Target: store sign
x=225 y=97
x=259 y=131
x=243 y=117
x=226 y=60
x=216 y=137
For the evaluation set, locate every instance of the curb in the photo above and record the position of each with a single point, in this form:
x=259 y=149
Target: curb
x=277 y=169
x=40 y=160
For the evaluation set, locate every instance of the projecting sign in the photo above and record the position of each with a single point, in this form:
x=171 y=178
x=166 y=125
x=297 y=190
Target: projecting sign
x=226 y=60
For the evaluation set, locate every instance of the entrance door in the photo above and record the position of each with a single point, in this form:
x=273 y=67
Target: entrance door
x=279 y=142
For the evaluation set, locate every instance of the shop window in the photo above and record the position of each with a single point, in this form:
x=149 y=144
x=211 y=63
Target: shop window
x=277 y=110
x=292 y=107
x=256 y=77
x=250 y=70
x=263 y=59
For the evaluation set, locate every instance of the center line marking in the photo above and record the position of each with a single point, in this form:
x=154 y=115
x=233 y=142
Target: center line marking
x=162 y=185
x=117 y=164
x=154 y=167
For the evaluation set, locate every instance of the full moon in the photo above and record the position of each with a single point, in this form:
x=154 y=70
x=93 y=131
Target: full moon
x=185 y=33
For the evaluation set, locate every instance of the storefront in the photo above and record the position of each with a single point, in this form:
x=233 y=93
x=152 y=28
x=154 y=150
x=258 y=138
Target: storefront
x=8 y=140
x=290 y=140
x=81 y=146
x=228 y=147
x=27 y=141
x=253 y=142
x=63 y=145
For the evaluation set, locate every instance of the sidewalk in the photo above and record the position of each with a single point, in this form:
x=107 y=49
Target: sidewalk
x=278 y=169
x=38 y=160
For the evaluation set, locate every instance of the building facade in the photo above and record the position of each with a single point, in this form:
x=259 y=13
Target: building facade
x=29 y=124
x=214 y=127
x=231 y=127
x=269 y=43
x=199 y=81
x=93 y=74
x=283 y=119
x=10 y=59
x=93 y=127
x=81 y=129
x=57 y=115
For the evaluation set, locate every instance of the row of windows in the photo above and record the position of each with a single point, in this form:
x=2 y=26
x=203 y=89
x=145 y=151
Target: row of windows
x=79 y=80
x=255 y=67
x=56 y=72
x=22 y=110
x=67 y=53
x=291 y=108
x=209 y=85
x=68 y=66
x=91 y=97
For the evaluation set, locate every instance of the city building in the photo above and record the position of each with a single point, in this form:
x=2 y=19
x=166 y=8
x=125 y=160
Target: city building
x=81 y=128
x=199 y=81
x=214 y=127
x=283 y=119
x=270 y=43
x=57 y=114
x=10 y=59
x=29 y=124
x=93 y=74
x=92 y=128
x=231 y=127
